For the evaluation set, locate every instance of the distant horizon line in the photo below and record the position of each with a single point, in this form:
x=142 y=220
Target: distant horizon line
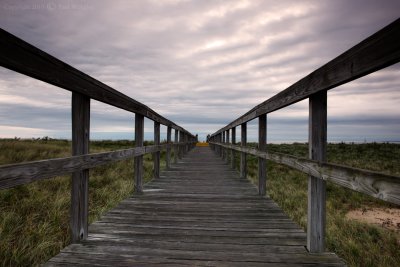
x=164 y=140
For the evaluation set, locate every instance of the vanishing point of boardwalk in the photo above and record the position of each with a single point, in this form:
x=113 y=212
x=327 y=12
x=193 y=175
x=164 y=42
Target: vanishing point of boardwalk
x=198 y=213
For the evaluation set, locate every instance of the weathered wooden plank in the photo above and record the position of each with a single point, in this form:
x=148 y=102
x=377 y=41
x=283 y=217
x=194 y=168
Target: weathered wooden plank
x=243 y=156
x=187 y=224
x=260 y=249
x=80 y=179
x=227 y=150
x=232 y=150
x=376 y=52
x=156 y=155
x=223 y=141
x=262 y=146
x=181 y=147
x=202 y=255
x=186 y=140
x=317 y=140
x=378 y=185
x=168 y=154
x=24 y=58
x=176 y=147
x=138 y=259
x=138 y=160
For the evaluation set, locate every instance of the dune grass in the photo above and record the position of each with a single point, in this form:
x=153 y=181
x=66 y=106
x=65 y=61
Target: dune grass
x=34 y=218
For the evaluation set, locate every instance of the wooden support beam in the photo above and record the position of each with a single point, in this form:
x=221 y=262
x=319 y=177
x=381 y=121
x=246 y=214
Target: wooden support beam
x=243 y=156
x=226 y=149
x=221 y=150
x=223 y=141
x=138 y=161
x=232 y=150
x=187 y=143
x=262 y=146
x=156 y=155
x=181 y=140
x=317 y=187
x=168 y=156
x=176 y=147
x=80 y=179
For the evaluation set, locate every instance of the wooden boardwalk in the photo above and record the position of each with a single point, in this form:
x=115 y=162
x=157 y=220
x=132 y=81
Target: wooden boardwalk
x=199 y=213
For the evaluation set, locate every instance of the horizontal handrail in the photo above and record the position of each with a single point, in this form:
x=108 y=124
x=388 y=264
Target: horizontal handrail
x=378 y=185
x=378 y=51
x=27 y=59
x=23 y=173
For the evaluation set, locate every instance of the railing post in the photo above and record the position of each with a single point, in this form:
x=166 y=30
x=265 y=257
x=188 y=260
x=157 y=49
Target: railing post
x=156 y=155
x=80 y=179
x=186 y=143
x=138 y=160
x=316 y=187
x=262 y=146
x=243 y=156
x=181 y=146
x=227 y=150
x=168 y=156
x=213 y=146
x=232 y=150
x=220 y=150
x=176 y=147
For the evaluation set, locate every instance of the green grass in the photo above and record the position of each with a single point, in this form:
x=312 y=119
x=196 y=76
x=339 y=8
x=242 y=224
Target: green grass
x=359 y=244
x=34 y=218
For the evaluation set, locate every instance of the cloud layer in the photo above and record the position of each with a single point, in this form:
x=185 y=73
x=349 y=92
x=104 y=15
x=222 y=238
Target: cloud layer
x=199 y=63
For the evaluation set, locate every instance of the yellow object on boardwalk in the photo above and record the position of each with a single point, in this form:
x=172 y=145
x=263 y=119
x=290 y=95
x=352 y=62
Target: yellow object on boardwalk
x=202 y=144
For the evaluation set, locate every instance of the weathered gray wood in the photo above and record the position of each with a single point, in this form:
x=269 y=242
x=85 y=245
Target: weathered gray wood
x=80 y=179
x=181 y=147
x=168 y=154
x=176 y=147
x=216 y=140
x=156 y=155
x=243 y=156
x=378 y=185
x=24 y=58
x=232 y=150
x=186 y=140
x=376 y=52
x=316 y=187
x=138 y=160
x=23 y=173
x=220 y=148
x=226 y=149
x=262 y=146
x=223 y=141
x=170 y=227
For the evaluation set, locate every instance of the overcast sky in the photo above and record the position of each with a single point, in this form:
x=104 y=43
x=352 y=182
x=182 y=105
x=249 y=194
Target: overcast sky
x=199 y=63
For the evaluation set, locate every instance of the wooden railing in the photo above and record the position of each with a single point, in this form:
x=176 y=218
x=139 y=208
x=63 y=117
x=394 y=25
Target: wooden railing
x=20 y=56
x=378 y=51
